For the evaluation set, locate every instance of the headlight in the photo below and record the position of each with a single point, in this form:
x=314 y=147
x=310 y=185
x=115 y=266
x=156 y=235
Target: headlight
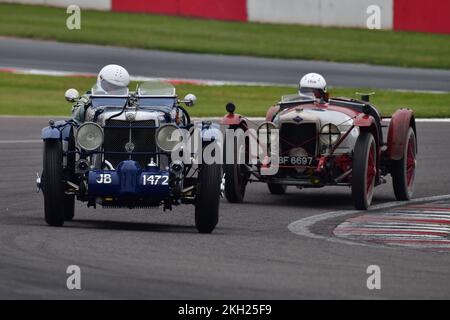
x=168 y=137
x=330 y=134
x=266 y=127
x=89 y=136
x=266 y=132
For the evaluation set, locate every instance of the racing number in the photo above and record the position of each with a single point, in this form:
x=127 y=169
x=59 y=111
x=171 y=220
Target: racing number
x=155 y=179
x=104 y=178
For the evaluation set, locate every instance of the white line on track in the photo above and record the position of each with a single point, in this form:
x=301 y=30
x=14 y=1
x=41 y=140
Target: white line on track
x=19 y=141
x=205 y=82
x=413 y=227
x=302 y=227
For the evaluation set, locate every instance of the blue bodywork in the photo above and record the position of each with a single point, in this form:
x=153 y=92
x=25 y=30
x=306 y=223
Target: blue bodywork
x=129 y=185
x=59 y=130
x=129 y=181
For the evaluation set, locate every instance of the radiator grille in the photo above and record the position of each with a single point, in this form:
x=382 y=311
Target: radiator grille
x=302 y=135
x=117 y=135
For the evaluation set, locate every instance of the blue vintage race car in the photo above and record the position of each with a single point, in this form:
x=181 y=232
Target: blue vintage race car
x=121 y=155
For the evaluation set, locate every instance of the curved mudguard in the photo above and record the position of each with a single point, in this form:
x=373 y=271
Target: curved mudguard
x=401 y=121
x=368 y=122
x=129 y=181
x=233 y=119
x=364 y=120
x=270 y=114
x=59 y=130
x=50 y=133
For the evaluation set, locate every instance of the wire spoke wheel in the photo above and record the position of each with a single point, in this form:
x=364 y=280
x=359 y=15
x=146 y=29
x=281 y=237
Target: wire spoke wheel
x=236 y=177
x=404 y=170
x=364 y=171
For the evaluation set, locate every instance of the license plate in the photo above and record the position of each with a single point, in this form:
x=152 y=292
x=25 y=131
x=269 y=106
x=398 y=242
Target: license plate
x=155 y=180
x=301 y=161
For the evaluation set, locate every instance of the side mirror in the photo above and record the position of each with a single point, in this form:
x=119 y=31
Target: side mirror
x=190 y=100
x=72 y=95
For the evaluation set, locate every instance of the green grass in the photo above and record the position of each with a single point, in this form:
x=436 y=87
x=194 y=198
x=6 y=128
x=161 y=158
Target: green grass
x=44 y=95
x=205 y=36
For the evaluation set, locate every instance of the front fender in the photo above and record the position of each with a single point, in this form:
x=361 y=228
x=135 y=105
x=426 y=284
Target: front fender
x=270 y=114
x=364 y=120
x=59 y=130
x=401 y=121
x=232 y=119
x=48 y=133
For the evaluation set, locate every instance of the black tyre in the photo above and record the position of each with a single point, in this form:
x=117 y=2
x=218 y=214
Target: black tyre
x=208 y=198
x=404 y=170
x=69 y=200
x=364 y=171
x=278 y=189
x=54 y=200
x=236 y=179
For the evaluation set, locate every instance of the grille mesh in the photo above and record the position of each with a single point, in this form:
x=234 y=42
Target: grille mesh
x=117 y=135
x=298 y=135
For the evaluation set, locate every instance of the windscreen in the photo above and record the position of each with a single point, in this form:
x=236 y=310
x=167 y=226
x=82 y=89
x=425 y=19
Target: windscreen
x=156 y=89
x=291 y=98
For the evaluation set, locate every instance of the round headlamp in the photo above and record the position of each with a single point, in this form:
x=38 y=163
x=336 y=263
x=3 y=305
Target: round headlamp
x=168 y=137
x=330 y=134
x=89 y=136
x=266 y=127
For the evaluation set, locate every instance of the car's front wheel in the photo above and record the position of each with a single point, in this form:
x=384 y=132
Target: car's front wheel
x=208 y=197
x=236 y=178
x=364 y=171
x=57 y=205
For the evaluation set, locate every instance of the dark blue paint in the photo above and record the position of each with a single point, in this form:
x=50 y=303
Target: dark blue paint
x=127 y=182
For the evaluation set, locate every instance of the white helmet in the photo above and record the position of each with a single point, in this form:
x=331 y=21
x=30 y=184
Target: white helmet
x=113 y=77
x=313 y=84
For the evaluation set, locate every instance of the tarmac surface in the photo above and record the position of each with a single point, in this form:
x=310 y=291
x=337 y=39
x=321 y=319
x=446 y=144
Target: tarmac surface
x=149 y=254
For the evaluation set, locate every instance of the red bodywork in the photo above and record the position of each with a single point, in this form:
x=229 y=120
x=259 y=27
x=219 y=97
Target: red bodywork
x=232 y=119
x=401 y=121
x=272 y=112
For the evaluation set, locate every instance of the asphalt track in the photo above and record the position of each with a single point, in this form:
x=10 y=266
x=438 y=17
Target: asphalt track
x=23 y=53
x=251 y=254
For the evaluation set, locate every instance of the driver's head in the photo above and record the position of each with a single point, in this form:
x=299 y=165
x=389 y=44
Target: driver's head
x=313 y=85
x=112 y=78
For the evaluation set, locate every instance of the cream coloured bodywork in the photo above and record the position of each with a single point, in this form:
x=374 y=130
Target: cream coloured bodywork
x=128 y=115
x=322 y=117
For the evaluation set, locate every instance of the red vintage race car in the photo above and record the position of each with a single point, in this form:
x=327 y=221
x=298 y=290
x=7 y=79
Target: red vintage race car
x=326 y=142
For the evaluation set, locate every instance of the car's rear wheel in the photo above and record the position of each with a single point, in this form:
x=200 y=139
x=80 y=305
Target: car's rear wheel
x=364 y=171
x=55 y=204
x=277 y=189
x=404 y=170
x=236 y=178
